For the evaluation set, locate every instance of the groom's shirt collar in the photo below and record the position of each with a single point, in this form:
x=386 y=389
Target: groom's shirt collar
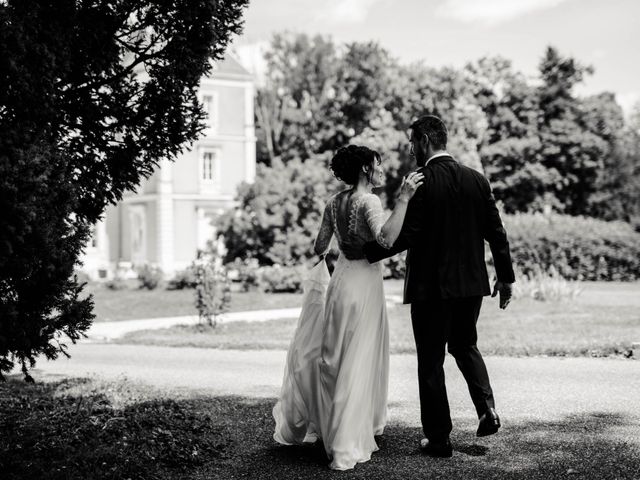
x=441 y=154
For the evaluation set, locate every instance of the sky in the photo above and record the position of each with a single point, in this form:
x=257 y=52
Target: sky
x=602 y=33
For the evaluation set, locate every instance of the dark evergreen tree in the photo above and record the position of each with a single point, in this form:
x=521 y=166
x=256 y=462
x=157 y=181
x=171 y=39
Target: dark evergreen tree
x=93 y=94
x=571 y=154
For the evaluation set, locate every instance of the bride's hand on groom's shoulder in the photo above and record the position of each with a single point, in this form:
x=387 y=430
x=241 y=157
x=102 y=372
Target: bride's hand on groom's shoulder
x=505 y=290
x=410 y=185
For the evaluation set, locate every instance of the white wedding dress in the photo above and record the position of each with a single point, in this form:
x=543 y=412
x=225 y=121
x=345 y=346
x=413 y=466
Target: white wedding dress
x=336 y=376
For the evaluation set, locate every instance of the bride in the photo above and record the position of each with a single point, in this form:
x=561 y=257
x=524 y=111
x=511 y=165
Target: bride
x=336 y=375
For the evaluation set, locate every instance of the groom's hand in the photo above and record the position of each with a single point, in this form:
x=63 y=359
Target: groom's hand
x=505 y=291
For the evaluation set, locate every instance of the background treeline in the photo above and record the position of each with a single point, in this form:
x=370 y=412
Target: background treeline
x=544 y=149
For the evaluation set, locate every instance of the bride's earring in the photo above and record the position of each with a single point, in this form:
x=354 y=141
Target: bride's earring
x=370 y=176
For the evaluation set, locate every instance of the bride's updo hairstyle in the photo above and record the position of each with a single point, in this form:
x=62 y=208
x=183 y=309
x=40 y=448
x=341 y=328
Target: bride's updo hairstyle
x=348 y=161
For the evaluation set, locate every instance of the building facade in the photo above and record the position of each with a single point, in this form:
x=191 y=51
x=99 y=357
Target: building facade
x=169 y=217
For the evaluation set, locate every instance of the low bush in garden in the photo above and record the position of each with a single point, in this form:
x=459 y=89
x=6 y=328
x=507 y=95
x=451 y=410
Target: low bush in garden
x=576 y=248
x=395 y=266
x=149 y=276
x=579 y=248
x=281 y=279
x=545 y=286
x=245 y=272
x=213 y=288
x=183 y=279
x=116 y=283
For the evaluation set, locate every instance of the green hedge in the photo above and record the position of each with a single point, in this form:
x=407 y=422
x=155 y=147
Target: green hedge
x=579 y=248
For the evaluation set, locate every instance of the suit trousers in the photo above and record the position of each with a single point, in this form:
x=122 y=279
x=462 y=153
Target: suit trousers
x=448 y=322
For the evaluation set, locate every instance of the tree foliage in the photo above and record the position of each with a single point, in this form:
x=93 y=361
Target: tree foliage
x=509 y=151
x=571 y=154
x=278 y=215
x=547 y=147
x=300 y=73
x=541 y=145
x=94 y=94
x=317 y=98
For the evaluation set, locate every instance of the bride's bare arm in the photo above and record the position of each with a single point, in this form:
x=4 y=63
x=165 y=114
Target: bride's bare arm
x=387 y=234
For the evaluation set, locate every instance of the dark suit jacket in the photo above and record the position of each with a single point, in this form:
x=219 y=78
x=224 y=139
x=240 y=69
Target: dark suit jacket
x=448 y=219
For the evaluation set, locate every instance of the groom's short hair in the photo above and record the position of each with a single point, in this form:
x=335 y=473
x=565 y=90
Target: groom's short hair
x=432 y=127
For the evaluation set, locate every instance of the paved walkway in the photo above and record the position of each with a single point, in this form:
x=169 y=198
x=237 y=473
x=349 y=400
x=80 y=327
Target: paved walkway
x=525 y=388
x=111 y=330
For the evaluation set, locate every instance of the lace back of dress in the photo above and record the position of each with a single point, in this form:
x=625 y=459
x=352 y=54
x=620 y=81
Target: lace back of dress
x=345 y=209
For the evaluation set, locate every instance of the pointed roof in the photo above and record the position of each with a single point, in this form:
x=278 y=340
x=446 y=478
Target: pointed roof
x=230 y=68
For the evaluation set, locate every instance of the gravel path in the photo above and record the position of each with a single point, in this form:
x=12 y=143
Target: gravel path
x=101 y=331
x=562 y=418
x=524 y=387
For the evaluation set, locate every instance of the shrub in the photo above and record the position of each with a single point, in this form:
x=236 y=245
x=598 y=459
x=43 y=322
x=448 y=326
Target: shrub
x=279 y=214
x=245 y=272
x=395 y=266
x=149 y=276
x=578 y=248
x=116 y=283
x=282 y=279
x=545 y=286
x=183 y=279
x=213 y=288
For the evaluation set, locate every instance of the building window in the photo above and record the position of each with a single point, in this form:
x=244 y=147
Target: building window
x=210 y=105
x=208 y=166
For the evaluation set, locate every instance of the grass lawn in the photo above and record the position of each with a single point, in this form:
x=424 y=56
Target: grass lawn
x=604 y=320
x=80 y=428
x=133 y=303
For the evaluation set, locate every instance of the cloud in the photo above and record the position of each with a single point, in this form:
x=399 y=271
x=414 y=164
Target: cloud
x=492 y=12
x=346 y=11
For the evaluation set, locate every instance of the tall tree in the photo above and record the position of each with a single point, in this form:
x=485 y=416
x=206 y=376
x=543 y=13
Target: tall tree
x=299 y=82
x=602 y=116
x=510 y=149
x=94 y=94
x=571 y=153
x=446 y=93
x=317 y=97
x=361 y=94
x=617 y=193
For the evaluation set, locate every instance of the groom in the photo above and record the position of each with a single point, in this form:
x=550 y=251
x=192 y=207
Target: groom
x=447 y=222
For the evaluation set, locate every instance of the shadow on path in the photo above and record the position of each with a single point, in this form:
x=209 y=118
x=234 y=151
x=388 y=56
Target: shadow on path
x=90 y=429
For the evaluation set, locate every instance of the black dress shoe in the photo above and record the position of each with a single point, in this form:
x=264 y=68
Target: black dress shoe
x=436 y=449
x=489 y=423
